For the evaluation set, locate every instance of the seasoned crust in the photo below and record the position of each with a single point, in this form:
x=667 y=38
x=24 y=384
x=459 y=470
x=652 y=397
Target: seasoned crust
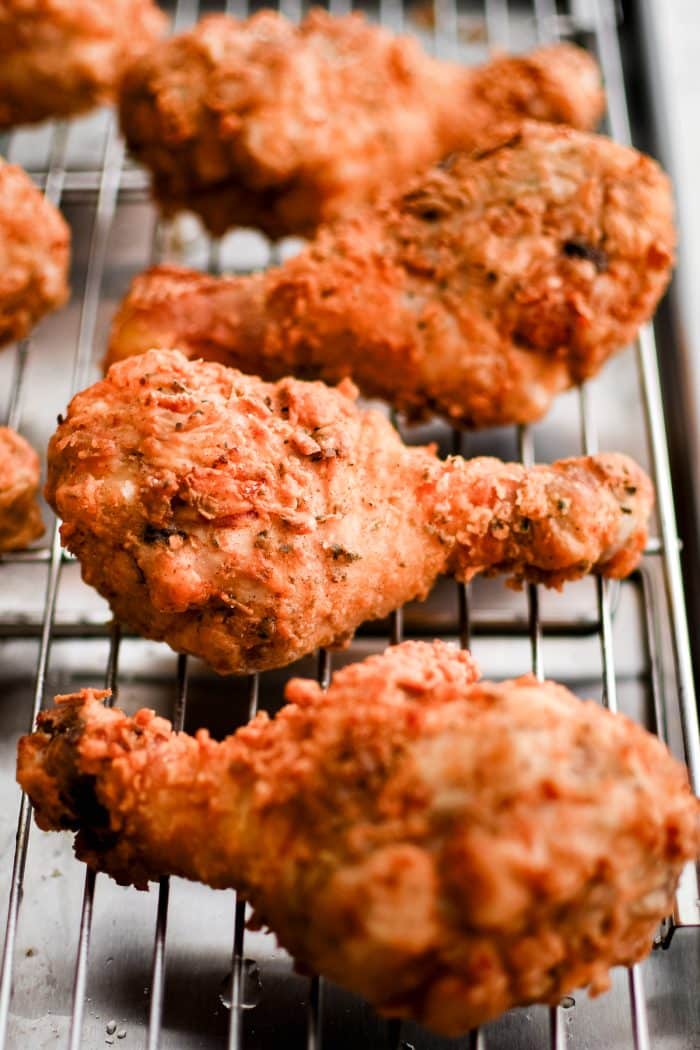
x=446 y=848
x=34 y=254
x=250 y=523
x=267 y=124
x=495 y=281
x=20 y=517
x=58 y=59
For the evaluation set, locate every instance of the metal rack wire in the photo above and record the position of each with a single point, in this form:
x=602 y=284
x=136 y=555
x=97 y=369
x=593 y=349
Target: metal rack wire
x=658 y=584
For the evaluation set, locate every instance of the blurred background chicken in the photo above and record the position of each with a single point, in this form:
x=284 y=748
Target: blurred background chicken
x=20 y=517
x=34 y=254
x=264 y=123
x=59 y=58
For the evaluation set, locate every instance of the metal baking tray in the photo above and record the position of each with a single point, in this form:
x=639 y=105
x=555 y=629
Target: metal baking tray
x=89 y=964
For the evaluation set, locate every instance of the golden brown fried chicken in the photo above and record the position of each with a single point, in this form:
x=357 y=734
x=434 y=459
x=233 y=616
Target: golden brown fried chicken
x=249 y=523
x=34 y=254
x=20 y=517
x=496 y=281
x=59 y=58
x=448 y=849
x=268 y=124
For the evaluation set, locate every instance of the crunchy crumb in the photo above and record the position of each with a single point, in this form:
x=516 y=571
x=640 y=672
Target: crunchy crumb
x=444 y=847
x=491 y=284
x=226 y=558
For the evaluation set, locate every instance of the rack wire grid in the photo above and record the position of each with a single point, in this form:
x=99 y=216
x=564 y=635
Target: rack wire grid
x=87 y=964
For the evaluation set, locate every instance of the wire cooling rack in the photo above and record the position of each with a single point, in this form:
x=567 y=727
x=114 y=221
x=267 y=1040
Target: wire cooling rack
x=627 y=642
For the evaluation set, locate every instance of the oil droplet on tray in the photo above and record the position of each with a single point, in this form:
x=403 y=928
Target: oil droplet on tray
x=251 y=992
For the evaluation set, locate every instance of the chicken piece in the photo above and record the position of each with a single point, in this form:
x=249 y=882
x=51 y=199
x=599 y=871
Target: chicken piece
x=249 y=523
x=20 y=517
x=444 y=847
x=59 y=58
x=496 y=281
x=34 y=254
x=268 y=124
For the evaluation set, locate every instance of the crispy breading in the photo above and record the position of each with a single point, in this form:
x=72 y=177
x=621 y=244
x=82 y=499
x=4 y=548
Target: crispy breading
x=20 y=517
x=59 y=58
x=444 y=847
x=496 y=281
x=268 y=124
x=249 y=523
x=34 y=254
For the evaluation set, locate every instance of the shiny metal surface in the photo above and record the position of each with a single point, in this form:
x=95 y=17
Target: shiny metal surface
x=668 y=42
x=88 y=964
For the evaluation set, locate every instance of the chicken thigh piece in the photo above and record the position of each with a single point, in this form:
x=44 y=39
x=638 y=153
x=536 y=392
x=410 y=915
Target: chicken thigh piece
x=34 y=254
x=268 y=124
x=498 y=280
x=58 y=58
x=249 y=523
x=20 y=517
x=446 y=848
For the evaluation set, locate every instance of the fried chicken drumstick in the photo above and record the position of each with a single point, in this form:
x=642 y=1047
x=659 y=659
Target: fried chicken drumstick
x=34 y=254
x=496 y=281
x=20 y=517
x=249 y=523
x=444 y=847
x=268 y=124
x=59 y=58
